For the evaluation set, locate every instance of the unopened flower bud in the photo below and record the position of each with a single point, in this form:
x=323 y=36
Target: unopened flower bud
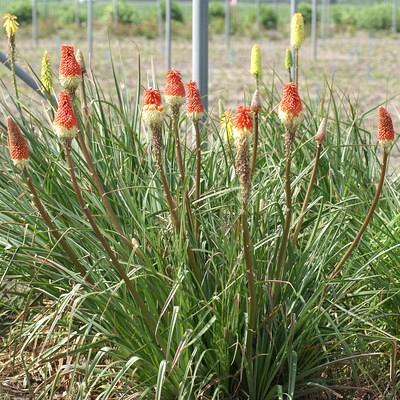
x=321 y=133
x=256 y=101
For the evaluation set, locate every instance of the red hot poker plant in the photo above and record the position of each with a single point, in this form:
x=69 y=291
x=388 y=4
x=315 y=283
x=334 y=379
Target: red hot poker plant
x=242 y=128
x=70 y=71
x=195 y=108
x=17 y=144
x=195 y=111
x=175 y=97
x=385 y=136
x=65 y=122
x=290 y=107
x=174 y=89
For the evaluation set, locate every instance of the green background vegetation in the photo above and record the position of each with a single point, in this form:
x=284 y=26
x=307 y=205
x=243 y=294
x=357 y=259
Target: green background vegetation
x=142 y=18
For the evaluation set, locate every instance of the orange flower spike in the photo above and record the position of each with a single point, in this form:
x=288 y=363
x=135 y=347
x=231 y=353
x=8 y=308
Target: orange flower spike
x=242 y=124
x=17 y=144
x=195 y=108
x=385 y=127
x=70 y=70
x=65 y=122
x=290 y=107
x=174 y=89
x=153 y=110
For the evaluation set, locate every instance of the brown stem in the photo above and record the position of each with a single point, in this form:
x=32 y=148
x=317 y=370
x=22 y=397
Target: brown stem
x=178 y=150
x=100 y=189
x=11 y=45
x=308 y=194
x=85 y=108
x=255 y=144
x=289 y=138
x=248 y=256
x=198 y=174
x=151 y=324
x=367 y=219
x=53 y=230
x=198 y=160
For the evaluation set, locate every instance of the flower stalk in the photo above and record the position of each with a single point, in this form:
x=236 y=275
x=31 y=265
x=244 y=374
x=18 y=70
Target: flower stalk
x=319 y=138
x=255 y=108
x=243 y=126
x=19 y=153
x=71 y=73
x=153 y=116
x=296 y=40
x=11 y=27
x=290 y=114
x=195 y=111
x=385 y=138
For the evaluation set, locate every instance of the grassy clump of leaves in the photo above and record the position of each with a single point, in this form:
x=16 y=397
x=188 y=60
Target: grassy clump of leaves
x=313 y=335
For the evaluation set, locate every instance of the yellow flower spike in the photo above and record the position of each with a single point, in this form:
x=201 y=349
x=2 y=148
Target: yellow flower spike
x=297 y=31
x=255 y=66
x=288 y=59
x=46 y=73
x=10 y=25
x=227 y=125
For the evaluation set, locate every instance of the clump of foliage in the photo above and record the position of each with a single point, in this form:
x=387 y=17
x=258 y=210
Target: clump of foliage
x=269 y=18
x=176 y=11
x=139 y=282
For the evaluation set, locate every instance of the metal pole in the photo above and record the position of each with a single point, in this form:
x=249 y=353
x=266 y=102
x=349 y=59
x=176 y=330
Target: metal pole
x=46 y=8
x=292 y=7
x=228 y=23
x=115 y=14
x=394 y=16
x=314 y=29
x=90 y=27
x=34 y=23
x=160 y=20
x=325 y=18
x=200 y=47
x=77 y=12
x=167 y=56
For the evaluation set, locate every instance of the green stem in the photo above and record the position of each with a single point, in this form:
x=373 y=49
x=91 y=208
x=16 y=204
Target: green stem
x=85 y=108
x=255 y=144
x=150 y=322
x=53 y=230
x=308 y=194
x=296 y=56
x=198 y=174
x=178 y=149
x=367 y=219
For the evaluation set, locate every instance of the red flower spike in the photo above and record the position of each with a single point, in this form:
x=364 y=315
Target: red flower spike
x=153 y=110
x=290 y=107
x=242 y=119
x=65 y=122
x=195 y=106
x=17 y=144
x=152 y=97
x=174 y=86
x=385 y=127
x=70 y=70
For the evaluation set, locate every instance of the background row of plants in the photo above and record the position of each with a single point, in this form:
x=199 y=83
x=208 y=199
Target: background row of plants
x=142 y=19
